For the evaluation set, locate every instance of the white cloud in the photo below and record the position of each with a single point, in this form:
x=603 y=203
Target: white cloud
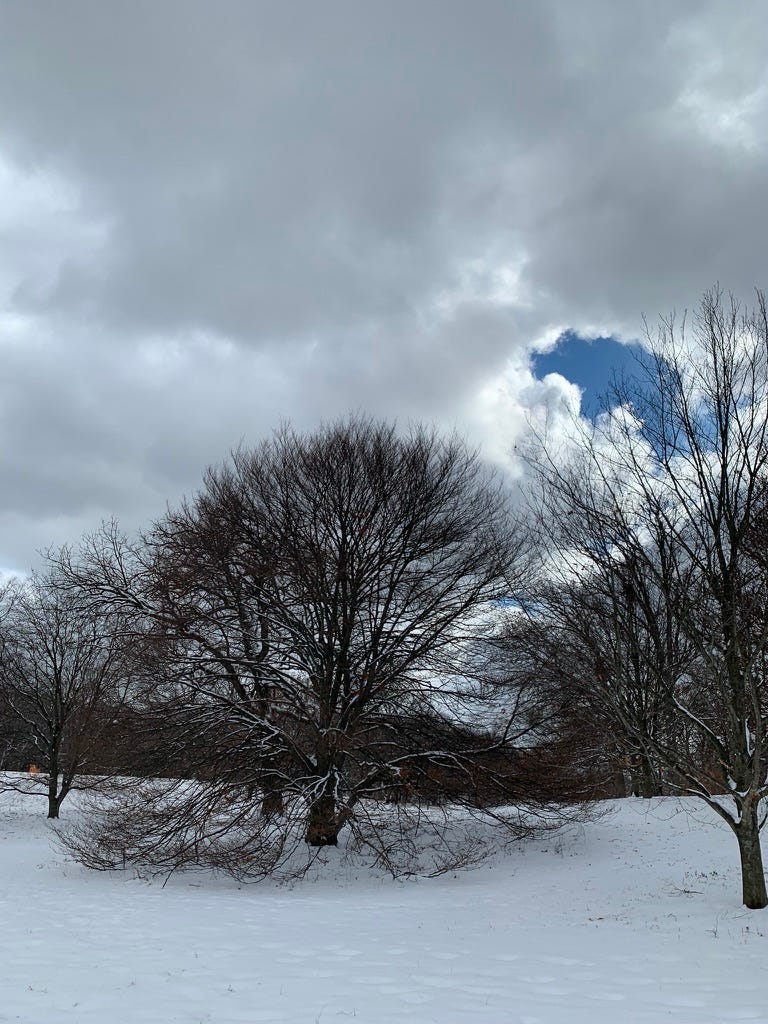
x=208 y=224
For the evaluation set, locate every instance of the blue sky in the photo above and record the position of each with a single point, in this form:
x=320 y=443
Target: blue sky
x=592 y=363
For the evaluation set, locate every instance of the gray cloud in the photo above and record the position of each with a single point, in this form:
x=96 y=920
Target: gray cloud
x=215 y=216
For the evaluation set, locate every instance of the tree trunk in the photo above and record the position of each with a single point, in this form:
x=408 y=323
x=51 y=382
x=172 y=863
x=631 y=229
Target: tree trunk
x=754 y=895
x=272 y=803
x=323 y=825
x=649 y=780
x=53 y=795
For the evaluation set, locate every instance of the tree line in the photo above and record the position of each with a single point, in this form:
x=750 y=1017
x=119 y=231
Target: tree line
x=357 y=629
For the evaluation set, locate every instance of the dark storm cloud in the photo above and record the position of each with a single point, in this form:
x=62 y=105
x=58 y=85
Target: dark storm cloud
x=213 y=216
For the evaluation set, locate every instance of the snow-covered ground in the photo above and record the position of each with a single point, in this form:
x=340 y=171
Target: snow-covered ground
x=631 y=918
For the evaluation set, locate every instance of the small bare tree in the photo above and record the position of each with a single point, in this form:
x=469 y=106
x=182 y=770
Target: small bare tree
x=654 y=585
x=63 y=677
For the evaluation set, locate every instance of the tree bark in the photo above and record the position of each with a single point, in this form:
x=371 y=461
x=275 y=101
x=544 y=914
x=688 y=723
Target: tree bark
x=754 y=895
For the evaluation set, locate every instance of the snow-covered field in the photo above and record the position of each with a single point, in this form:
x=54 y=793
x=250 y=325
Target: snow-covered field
x=631 y=918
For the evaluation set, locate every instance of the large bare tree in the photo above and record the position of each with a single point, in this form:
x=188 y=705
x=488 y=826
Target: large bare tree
x=654 y=585
x=318 y=604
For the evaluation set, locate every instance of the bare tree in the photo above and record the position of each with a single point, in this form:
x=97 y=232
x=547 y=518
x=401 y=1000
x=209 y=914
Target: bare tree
x=386 y=551
x=319 y=605
x=654 y=583
x=64 y=670
x=555 y=652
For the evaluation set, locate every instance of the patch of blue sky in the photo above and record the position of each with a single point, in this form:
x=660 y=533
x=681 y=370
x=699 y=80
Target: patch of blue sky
x=591 y=363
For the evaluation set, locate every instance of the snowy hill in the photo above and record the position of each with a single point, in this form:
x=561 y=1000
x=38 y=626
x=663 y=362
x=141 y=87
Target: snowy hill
x=634 y=917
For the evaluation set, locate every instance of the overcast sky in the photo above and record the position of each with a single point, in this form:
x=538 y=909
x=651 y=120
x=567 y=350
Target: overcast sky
x=217 y=215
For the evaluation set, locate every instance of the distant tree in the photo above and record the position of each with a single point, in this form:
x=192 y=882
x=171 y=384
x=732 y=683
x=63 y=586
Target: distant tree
x=63 y=675
x=655 y=579
x=558 y=649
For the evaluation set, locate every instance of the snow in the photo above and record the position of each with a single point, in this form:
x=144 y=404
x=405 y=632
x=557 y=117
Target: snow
x=634 y=917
